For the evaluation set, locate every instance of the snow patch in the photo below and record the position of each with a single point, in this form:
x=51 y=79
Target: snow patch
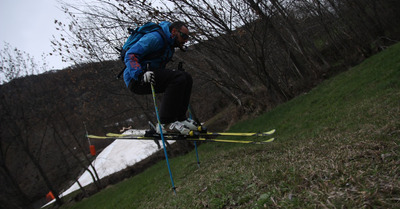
x=117 y=156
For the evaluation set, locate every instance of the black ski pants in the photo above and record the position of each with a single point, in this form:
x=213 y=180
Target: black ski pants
x=176 y=86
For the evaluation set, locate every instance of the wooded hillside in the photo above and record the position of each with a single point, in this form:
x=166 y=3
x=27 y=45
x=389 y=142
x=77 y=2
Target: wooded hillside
x=281 y=51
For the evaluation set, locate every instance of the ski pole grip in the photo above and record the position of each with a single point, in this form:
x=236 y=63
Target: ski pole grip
x=180 y=66
x=148 y=67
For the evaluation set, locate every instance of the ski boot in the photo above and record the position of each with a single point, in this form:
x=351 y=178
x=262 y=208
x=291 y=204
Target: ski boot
x=173 y=128
x=195 y=128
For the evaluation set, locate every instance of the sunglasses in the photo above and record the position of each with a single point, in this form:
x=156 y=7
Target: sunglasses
x=184 y=35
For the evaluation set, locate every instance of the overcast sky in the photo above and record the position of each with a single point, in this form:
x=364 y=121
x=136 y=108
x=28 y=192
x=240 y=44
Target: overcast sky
x=29 y=25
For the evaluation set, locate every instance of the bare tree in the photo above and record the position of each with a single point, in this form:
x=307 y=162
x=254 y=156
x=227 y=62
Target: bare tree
x=15 y=63
x=18 y=128
x=79 y=144
x=273 y=45
x=10 y=185
x=95 y=29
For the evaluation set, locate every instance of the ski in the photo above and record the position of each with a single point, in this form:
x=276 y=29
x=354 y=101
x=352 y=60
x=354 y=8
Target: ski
x=169 y=137
x=215 y=134
x=195 y=134
x=233 y=141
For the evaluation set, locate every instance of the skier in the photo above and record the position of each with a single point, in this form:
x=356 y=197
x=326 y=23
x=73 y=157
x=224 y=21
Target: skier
x=176 y=85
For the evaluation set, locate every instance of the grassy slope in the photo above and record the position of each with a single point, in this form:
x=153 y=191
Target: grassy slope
x=336 y=145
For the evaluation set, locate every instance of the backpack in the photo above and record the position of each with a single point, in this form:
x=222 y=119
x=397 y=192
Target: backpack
x=136 y=35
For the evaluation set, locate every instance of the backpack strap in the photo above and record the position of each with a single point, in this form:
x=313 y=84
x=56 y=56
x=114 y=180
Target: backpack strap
x=162 y=50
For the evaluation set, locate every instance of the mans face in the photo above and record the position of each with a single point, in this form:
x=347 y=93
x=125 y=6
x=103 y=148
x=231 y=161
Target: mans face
x=182 y=36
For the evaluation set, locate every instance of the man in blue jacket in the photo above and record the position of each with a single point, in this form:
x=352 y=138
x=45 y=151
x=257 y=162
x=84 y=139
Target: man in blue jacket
x=176 y=85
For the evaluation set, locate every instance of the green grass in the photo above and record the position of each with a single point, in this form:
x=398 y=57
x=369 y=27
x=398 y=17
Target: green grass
x=337 y=146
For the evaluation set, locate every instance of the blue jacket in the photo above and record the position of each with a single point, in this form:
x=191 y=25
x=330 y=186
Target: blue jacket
x=149 y=43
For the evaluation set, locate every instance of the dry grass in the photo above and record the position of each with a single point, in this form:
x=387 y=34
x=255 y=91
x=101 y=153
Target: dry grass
x=337 y=147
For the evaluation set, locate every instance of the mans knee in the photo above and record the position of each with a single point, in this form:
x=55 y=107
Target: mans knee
x=188 y=78
x=184 y=78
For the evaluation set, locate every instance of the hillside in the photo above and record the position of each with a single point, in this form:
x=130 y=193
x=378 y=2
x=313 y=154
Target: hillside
x=337 y=146
x=245 y=59
x=47 y=116
x=240 y=72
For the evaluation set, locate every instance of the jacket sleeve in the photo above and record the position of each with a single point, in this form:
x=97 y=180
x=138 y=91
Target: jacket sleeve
x=149 y=43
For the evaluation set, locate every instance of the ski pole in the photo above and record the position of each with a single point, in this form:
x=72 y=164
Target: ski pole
x=197 y=154
x=192 y=116
x=162 y=137
x=195 y=143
